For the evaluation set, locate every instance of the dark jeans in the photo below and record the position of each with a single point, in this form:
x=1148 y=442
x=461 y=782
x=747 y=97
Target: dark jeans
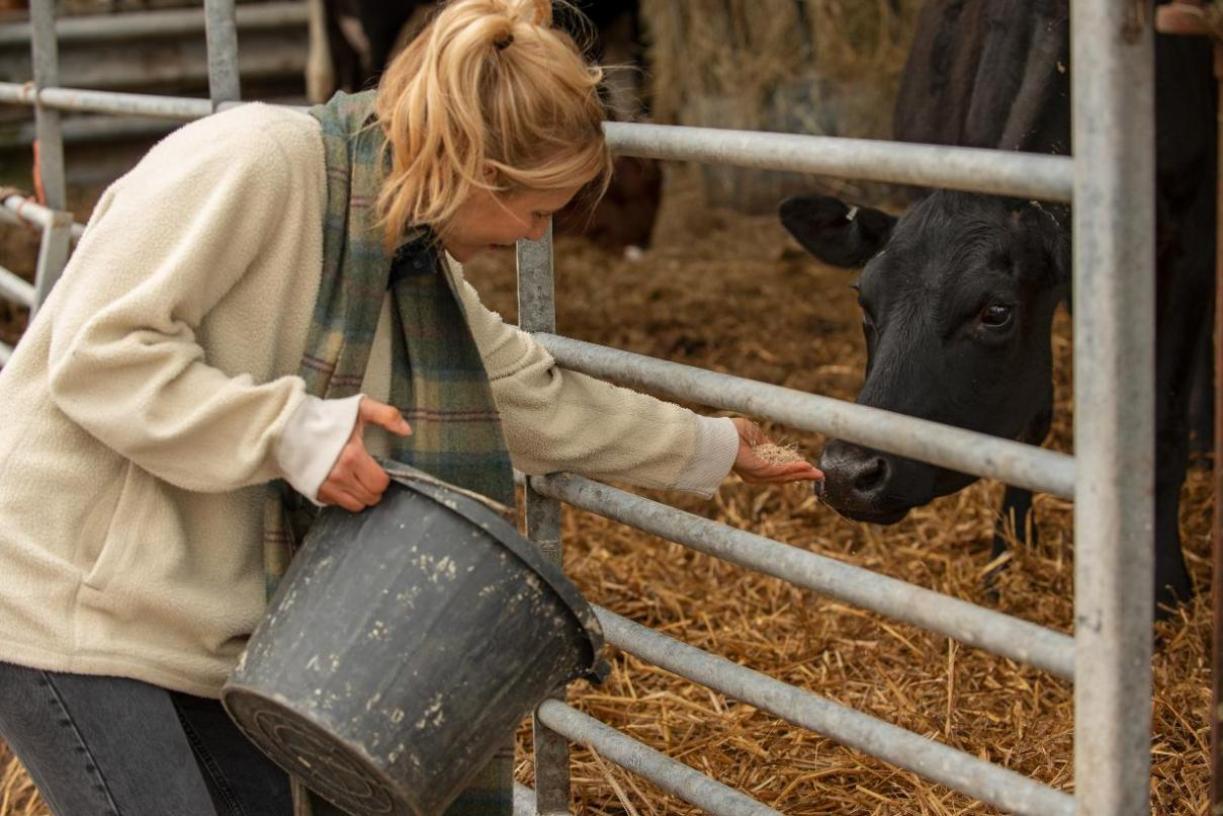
x=109 y=746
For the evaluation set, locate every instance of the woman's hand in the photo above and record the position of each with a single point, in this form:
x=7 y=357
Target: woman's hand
x=752 y=469
x=357 y=481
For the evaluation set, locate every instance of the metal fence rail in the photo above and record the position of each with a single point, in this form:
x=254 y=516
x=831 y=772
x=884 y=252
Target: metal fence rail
x=968 y=623
x=959 y=168
x=1111 y=180
x=163 y=23
x=668 y=774
x=1007 y=789
x=968 y=451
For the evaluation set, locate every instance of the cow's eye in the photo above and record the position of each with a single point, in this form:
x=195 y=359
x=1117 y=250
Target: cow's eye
x=997 y=315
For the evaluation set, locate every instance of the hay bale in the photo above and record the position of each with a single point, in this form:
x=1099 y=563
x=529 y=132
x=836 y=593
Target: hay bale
x=823 y=67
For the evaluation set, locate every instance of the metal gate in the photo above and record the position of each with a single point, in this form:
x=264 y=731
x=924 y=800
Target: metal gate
x=1110 y=477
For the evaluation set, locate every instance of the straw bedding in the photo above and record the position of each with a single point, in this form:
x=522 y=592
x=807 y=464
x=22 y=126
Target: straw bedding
x=733 y=294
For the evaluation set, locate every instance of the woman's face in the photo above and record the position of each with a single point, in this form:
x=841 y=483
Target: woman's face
x=487 y=220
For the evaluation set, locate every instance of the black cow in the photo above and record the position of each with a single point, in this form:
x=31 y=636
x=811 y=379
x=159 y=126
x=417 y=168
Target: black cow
x=958 y=295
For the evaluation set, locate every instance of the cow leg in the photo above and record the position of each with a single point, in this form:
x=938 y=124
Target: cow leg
x=1185 y=289
x=1016 y=509
x=1201 y=401
x=1172 y=582
x=1174 y=382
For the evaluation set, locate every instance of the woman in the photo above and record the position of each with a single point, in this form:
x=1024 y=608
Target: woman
x=259 y=303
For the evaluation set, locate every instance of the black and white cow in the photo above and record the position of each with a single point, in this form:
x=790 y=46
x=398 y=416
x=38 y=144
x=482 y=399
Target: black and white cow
x=959 y=293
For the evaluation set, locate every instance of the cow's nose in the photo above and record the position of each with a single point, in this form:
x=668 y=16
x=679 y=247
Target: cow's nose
x=855 y=476
x=869 y=475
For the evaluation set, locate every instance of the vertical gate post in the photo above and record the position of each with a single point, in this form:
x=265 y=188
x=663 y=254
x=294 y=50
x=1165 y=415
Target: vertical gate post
x=49 y=157
x=537 y=312
x=52 y=256
x=221 y=30
x=1114 y=385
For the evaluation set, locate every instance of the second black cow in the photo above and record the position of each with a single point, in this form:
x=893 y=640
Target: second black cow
x=958 y=295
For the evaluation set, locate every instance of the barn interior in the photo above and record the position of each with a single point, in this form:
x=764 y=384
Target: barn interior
x=720 y=285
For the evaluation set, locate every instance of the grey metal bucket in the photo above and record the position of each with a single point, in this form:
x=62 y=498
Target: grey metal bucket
x=404 y=646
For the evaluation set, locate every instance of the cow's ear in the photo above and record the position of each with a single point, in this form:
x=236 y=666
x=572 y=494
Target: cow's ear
x=835 y=233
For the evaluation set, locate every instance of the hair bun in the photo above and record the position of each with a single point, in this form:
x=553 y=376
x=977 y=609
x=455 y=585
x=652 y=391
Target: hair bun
x=537 y=12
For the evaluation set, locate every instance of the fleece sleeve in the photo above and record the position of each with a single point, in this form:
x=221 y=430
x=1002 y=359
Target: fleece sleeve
x=166 y=244
x=555 y=419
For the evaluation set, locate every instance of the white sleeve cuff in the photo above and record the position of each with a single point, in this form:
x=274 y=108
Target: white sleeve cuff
x=312 y=440
x=717 y=445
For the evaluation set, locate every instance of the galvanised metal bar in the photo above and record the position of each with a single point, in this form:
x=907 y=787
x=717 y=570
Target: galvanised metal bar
x=52 y=257
x=159 y=24
x=967 y=451
x=28 y=210
x=962 y=771
x=524 y=801
x=44 y=56
x=167 y=107
x=1114 y=406
x=15 y=288
x=990 y=171
x=221 y=27
x=673 y=777
x=537 y=312
x=966 y=622
x=961 y=168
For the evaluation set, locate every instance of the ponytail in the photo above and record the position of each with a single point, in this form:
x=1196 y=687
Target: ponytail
x=488 y=96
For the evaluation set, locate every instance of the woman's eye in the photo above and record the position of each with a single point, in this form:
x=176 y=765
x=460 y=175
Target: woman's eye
x=997 y=315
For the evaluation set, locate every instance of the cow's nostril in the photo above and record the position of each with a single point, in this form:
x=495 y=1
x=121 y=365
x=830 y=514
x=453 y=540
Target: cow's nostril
x=872 y=476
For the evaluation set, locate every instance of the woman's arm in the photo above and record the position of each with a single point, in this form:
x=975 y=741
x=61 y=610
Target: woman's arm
x=556 y=419
x=166 y=244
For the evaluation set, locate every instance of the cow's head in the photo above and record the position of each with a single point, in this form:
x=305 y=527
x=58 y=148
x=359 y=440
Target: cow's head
x=957 y=302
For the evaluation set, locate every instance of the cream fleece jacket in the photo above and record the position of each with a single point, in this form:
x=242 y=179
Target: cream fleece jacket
x=155 y=396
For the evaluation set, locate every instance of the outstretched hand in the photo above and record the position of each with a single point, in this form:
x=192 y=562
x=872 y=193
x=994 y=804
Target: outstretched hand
x=356 y=480
x=753 y=469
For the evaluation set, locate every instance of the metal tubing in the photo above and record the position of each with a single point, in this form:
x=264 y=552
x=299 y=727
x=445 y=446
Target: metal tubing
x=166 y=107
x=524 y=801
x=31 y=211
x=1114 y=373
x=221 y=27
x=15 y=288
x=160 y=24
x=1011 y=791
x=962 y=168
x=52 y=257
x=991 y=171
x=674 y=777
x=537 y=312
x=971 y=624
x=967 y=451
x=44 y=55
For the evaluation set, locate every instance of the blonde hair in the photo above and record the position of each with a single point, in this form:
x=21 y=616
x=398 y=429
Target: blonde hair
x=489 y=95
